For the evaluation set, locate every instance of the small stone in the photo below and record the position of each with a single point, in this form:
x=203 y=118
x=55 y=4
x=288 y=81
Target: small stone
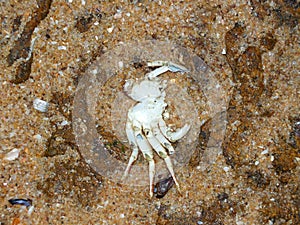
x=121 y=64
x=109 y=30
x=38 y=137
x=226 y=168
x=62 y=47
x=63 y=123
x=266 y=151
x=118 y=15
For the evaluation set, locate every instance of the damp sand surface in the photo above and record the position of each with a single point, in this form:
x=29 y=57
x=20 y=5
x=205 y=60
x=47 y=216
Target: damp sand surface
x=252 y=49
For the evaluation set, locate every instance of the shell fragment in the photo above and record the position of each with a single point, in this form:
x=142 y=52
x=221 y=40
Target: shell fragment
x=40 y=105
x=12 y=155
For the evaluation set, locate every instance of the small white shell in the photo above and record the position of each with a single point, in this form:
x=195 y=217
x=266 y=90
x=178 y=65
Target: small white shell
x=30 y=210
x=12 y=155
x=40 y=105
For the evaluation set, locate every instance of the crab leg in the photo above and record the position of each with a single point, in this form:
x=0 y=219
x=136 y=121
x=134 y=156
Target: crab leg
x=173 y=136
x=161 y=138
x=164 y=66
x=133 y=145
x=148 y=155
x=160 y=150
x=170 y=168
x=146 y=149
x=157 y=72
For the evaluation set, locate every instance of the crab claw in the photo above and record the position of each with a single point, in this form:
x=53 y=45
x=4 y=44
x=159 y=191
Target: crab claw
x=164 y=66
x=128 y=85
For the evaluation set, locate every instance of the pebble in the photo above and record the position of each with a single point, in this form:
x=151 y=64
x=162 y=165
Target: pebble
x=265 y=152
x=226 y=168
x=110 y=29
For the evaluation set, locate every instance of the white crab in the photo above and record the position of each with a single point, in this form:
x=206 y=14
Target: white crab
x=145 y=127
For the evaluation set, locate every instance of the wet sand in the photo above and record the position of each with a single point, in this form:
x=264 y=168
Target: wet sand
x=252 y=49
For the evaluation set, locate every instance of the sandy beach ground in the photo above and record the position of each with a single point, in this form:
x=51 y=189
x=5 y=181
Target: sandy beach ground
x=249 y=175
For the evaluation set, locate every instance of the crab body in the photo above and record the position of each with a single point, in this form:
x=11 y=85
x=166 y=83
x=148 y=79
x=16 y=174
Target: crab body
x=153 y=107
x=145 y=127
